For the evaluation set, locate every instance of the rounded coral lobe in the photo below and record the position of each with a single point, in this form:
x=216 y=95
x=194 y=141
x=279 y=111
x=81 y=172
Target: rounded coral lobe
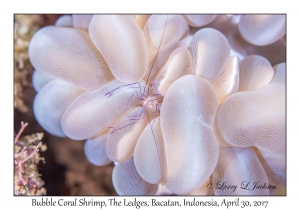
x=70 y=55
x=121 y=42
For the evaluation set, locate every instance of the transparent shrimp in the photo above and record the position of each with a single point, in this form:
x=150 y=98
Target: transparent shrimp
x=146 y=113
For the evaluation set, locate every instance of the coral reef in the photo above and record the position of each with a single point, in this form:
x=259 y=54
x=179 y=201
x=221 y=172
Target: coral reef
x=27 y=178
x=177 y=102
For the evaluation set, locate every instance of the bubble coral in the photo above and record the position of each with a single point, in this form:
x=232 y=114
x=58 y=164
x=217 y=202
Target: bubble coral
x=181 y=102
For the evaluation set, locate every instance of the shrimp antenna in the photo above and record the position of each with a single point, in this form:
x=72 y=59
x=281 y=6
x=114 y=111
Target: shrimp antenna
x=156 y=54
x=151 y=126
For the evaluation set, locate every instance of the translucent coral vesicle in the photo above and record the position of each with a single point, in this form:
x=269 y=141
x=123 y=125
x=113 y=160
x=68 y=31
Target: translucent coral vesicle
x=69 y=54
x=186 y=121
x=95 y=111
x=121 y=42
x=127 y=180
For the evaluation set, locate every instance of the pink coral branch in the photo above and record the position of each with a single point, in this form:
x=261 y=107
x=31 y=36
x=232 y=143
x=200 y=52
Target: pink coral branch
x=31 y=154
x=21 y=153
x=20 y=176
x=20 y=162
x=23 y=125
